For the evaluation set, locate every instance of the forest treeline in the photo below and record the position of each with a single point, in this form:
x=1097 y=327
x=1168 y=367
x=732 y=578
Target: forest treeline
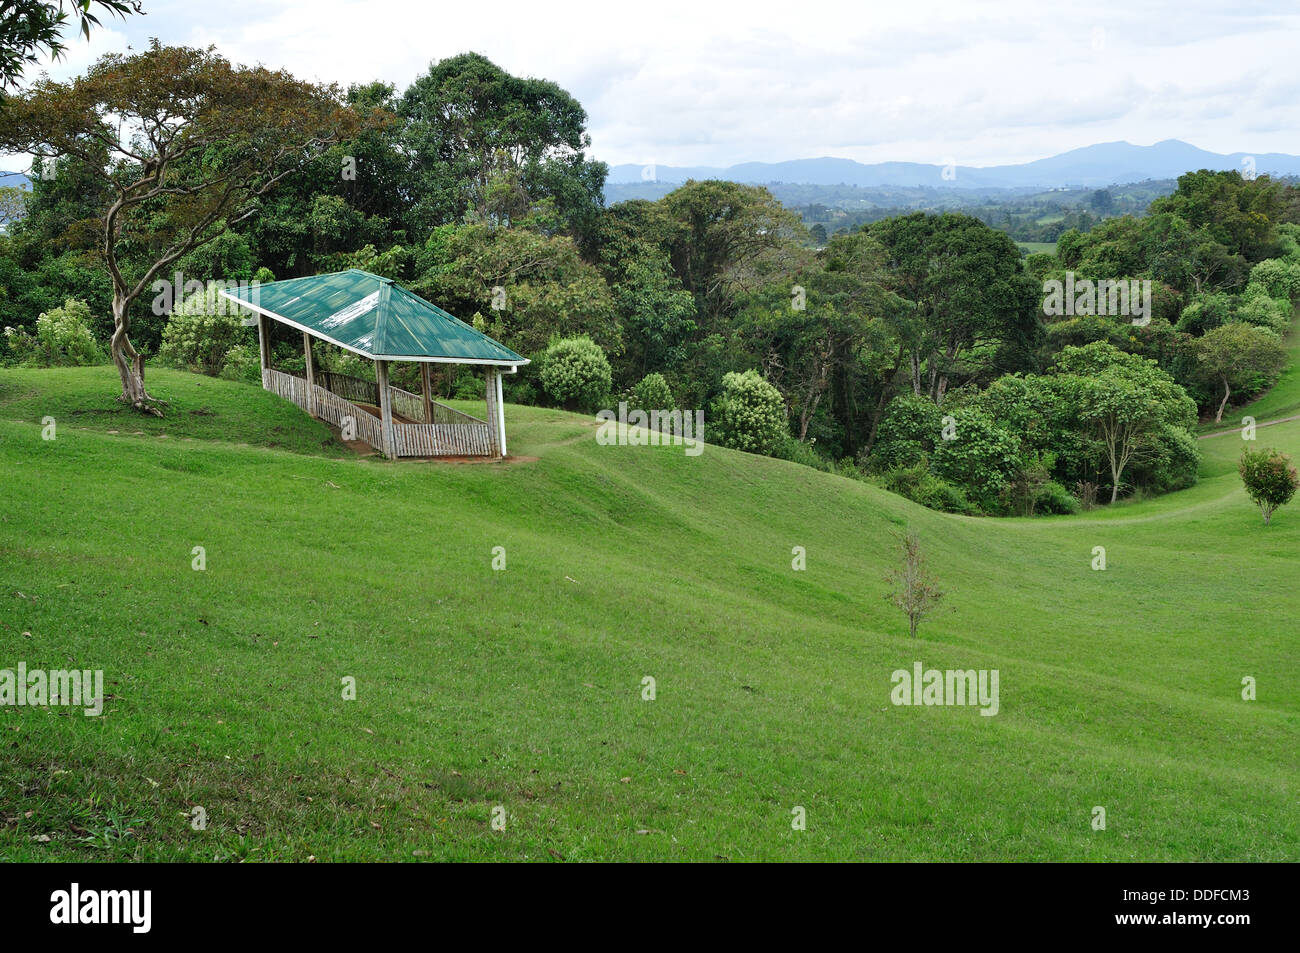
x=913 y=350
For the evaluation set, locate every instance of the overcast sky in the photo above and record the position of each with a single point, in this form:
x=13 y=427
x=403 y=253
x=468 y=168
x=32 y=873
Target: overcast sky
x=713 y=83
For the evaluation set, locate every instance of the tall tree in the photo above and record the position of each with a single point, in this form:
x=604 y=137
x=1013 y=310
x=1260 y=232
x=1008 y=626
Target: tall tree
x=718 y=229
x=201 y=142
x=479 y=138
x=1237 y=355
x=970 y=293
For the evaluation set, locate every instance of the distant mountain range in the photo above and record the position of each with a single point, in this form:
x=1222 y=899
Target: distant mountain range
x=15 y=180
x=1106 y=163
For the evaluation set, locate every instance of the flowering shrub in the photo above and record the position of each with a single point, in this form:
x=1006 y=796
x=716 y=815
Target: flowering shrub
x=62 y=339
x=750 y=414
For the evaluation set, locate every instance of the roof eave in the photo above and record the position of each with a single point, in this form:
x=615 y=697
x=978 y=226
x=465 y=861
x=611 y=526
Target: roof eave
x=414 y=358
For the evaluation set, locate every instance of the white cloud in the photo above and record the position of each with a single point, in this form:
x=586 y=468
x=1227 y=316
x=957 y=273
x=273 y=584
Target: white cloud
x=689 y=83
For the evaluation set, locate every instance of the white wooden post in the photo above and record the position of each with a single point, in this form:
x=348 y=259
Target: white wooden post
x=501 y=415
x=311 y=374
x=264 y=345
x=426 y=386
x=385 y=409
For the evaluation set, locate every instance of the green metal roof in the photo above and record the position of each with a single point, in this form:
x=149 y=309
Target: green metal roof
x=374 y=317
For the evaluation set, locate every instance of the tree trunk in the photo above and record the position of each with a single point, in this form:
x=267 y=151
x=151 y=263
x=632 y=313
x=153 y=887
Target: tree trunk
x=130 y=365
x=1227 y=392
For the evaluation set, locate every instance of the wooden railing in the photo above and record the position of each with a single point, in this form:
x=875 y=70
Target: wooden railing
x=349 y=387
x=450 y=433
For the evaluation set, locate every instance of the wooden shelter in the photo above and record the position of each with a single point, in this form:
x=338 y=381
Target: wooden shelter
x=383 y=322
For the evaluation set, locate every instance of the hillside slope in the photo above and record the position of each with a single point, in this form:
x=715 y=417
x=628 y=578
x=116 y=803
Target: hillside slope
x=523 y=688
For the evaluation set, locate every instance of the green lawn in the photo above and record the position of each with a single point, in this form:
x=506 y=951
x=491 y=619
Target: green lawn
x=523 y=688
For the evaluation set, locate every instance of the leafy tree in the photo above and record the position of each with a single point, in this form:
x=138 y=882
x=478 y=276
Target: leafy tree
x=916 y=591
x=519 y=286
x=969 y=292
x=476 y=135
x=910 y=428
x=1237 y=356
x=1102 y=200
x=656 y=312
x=749 y=414
x=980 y=457
x=28 y=27
x=209 y=140
x=1240 y=214
x=718 y=228
x=1125 y=400
x=13 y=205
x=1270 y=479
x=576 y=373
x=1206 y=311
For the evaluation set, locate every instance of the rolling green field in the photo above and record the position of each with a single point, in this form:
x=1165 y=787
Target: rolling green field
x=523 y=689
x=1030 y=248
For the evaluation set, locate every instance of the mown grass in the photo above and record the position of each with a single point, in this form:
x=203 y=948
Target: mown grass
x=523 y=688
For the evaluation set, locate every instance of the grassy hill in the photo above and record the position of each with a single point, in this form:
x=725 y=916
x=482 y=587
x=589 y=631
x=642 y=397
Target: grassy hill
x=523 y=688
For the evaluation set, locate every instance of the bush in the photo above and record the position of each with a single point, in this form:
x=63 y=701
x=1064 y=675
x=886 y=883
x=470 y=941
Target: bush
x=907 y=433
x=62 y=339
x=575 y=373
x=469 y=387
x=201 y=332
x=652 y=393
x=242 y=363
x=796 y=451
x=919 y=485
x=981 y=458
x=1206 y=311
x=750 y=415
x=1259 y=309
x=1270 y=478
x=1056 y=499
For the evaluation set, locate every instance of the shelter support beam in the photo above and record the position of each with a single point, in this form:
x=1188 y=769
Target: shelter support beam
x=385 y=409
x=311 y=374
x=426 y=390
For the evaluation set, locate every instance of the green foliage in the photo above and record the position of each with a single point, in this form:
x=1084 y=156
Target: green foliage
x=749 y=414
x=1257 y=308
x=1270 y=479
x=526 y=288
x=907 y=433
x=575 y=373
x=242 y=363
x=919 y=485
x=62 y=339
x=490 y=147
x=652 y=393
x=1205 y=312
x=32 y=29
x=1239 y=357
x=201 y=332
x=1240 y=214
x=981 y=457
